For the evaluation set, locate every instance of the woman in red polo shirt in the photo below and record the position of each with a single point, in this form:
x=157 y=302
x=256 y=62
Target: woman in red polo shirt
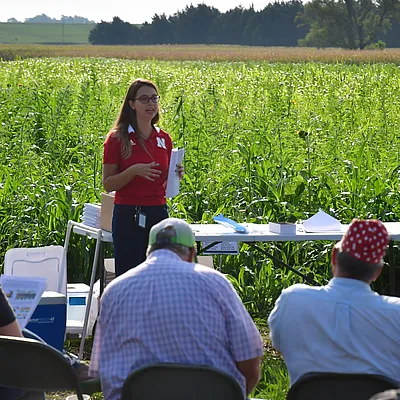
x=135 y=165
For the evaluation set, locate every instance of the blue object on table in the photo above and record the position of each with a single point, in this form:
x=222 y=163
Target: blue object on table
x=230 y=223
x=50 y=318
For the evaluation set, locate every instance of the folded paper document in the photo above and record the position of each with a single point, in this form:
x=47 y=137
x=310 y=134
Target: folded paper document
x=173 y=181
x=220 y=219
x=322 y=222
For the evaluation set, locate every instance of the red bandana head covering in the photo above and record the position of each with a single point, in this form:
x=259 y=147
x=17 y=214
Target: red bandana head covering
x=366 y=240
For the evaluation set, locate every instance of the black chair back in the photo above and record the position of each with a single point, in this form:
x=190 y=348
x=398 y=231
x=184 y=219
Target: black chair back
x=34 y=366
x=180 y=382
x=335 y=386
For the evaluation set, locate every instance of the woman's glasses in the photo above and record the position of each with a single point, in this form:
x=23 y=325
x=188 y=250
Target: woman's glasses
x=145 y=99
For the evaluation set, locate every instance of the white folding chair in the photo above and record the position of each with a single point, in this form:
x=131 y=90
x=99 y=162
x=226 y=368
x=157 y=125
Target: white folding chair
x=47 y=262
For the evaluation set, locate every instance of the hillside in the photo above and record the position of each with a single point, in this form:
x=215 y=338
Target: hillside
x=45 y=33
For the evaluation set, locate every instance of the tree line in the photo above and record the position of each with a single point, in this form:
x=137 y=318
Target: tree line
x=44 y=19
x=352 y=24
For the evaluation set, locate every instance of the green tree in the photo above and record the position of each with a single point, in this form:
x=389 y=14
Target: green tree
x=116 y=32
x=160 y=31
x=275 y=25
x=351 y=24
x=229 y=27
x=192 y=25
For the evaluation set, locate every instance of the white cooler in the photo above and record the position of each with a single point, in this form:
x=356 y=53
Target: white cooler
x=77 y=296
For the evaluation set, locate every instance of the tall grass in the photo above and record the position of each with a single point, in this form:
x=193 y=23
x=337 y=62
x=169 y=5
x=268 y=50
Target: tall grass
x=264 y=142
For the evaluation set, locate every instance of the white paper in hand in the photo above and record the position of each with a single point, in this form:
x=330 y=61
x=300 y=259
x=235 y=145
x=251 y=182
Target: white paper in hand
x=173 y=182
x=322 y=222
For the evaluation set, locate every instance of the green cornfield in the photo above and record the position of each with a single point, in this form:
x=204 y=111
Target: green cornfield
x=264 y=142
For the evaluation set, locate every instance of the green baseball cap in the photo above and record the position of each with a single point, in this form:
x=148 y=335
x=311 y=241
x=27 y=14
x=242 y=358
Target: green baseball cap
x=172 y=230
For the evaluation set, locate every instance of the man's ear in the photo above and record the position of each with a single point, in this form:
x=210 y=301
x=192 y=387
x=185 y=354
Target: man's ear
x=333 y=260
x=192 y=255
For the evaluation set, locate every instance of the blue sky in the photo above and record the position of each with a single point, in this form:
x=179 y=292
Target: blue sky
x=133 y=11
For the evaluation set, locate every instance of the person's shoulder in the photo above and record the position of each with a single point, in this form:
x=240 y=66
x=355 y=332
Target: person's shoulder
x=301 y=289
x=390 y=302
x=118 y=285
x=210 y=275
x=162 y=133
x=113 y=285
x=112 y=136
x=208 y=271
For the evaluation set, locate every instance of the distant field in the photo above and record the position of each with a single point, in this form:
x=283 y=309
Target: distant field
x=44 y=33
x=9 y=52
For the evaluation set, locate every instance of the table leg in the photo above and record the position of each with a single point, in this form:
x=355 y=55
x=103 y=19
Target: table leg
x=90 y=295
x=307 y=278
x=102 y=269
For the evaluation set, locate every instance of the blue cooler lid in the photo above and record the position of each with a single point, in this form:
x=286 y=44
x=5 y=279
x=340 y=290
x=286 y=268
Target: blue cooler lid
x=50 y=297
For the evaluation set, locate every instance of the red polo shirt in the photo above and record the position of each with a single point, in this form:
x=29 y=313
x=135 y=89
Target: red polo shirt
x=141 y=191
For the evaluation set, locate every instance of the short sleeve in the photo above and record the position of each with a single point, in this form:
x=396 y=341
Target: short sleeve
x=112 y=150
x=244 y=338
x=6 y=312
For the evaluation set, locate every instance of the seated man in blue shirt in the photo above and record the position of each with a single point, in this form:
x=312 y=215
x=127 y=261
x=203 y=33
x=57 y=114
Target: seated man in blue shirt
x=170 y=309
x=344 y=326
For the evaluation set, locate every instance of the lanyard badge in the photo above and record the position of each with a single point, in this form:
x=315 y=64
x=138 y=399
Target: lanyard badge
x=140 y=218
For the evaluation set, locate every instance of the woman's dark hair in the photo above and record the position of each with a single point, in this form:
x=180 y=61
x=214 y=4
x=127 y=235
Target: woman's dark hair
x=351 y=267
x=127 y=116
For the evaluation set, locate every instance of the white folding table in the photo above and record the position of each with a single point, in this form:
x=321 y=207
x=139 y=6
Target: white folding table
x=218 y=233
x=261 y=233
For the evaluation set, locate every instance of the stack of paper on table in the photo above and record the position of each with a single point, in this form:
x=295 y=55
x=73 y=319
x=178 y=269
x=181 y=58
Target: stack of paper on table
x=91 y=215
x=284 y=228
x=322 y=222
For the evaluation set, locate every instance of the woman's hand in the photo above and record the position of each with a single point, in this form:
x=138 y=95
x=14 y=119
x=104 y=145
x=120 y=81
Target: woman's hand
x=147 y=171
x=180 y=169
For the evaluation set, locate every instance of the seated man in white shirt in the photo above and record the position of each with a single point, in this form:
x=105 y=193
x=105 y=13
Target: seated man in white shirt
x=344 y=326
